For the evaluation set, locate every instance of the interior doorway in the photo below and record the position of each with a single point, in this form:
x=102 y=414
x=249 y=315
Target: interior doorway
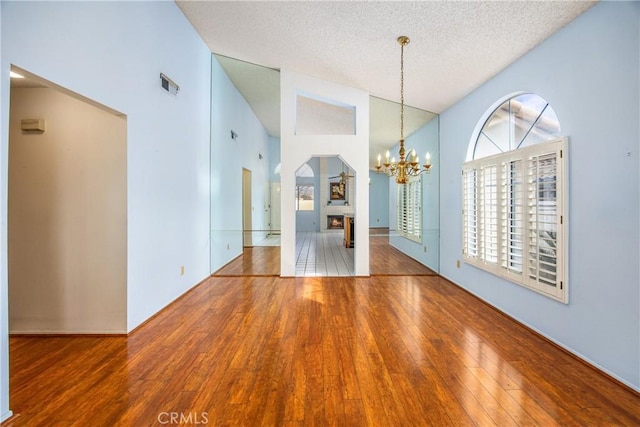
x=247 y=209
x=67 y=211
x=274 y=227
x=324 y=218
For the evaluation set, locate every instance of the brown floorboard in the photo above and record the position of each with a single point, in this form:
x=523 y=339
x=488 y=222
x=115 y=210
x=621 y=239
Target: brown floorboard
x=254 y=261
x=386 y=260
x=412 y=351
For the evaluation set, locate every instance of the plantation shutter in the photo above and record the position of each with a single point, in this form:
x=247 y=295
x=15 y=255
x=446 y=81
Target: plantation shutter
x=402 y=211
x=513 y=216
x=489 y=214
x=469 y=213
x=410 y=210
x=544 y=220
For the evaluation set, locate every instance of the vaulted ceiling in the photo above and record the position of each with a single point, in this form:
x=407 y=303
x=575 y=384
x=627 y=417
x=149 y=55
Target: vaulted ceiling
x=455 y=45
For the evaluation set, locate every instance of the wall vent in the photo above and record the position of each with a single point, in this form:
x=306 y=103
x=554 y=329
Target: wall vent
x=169 y=85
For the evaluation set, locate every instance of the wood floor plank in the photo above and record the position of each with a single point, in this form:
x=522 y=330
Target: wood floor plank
x=387 y=260
x=334 y=406
x=503 y=398
x=261 y=350
x=531 y=407
x=373 y=405
x=441 y=403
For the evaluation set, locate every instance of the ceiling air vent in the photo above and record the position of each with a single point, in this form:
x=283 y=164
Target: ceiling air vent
x=169 y=85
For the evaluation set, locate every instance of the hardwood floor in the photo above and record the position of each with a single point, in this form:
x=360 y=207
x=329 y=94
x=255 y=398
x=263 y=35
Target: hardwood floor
x=387 y=260
x=250 y=351
x=322 y=254
x=254 y=261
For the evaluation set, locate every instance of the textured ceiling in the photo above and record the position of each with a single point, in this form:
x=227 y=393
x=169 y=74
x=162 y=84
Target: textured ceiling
x=455 y=46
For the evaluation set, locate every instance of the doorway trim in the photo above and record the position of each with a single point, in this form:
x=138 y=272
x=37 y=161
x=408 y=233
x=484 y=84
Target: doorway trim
x=247 y=209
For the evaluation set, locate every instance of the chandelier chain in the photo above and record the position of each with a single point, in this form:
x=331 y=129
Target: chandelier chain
x=402 y=91
x=407 y=166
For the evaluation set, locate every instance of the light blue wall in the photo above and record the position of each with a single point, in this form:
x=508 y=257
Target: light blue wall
x=113 y=53
x=378 y=200
x=310 y=220
x=274 y=158
x=589 y=72
x=230 y=111
x=427 y=252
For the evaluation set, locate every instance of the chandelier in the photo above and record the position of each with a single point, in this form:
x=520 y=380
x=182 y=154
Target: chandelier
x=405 y=167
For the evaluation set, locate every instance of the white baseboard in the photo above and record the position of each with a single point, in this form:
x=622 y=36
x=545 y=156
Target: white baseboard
x=65 y=332
x=568 y=349
x=5 y=416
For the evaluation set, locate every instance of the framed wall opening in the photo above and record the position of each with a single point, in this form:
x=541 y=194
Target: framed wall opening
x=67 y=212
x=322 y=248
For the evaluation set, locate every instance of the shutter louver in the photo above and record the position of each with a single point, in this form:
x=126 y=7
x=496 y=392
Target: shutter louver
x=512 y=216
x=489 y=214
x=470 y=214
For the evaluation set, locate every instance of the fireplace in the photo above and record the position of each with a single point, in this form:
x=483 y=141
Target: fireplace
x=335 y=222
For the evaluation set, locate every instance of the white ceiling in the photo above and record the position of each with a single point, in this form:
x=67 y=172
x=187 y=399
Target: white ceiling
x=455 y=45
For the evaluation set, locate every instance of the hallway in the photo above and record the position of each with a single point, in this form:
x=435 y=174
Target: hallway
x=323 y=254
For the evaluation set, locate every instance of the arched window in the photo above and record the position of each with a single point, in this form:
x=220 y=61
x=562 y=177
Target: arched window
x=520 y=121
x=514 y=190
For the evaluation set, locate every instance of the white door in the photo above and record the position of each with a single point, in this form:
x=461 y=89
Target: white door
x=275 y=208
x=247 y=226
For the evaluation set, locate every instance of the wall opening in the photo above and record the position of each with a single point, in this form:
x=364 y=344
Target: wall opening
x=67 y=212
x=324 y=240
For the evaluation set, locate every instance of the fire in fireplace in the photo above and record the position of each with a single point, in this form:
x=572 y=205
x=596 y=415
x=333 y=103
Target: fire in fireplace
x=335 y=222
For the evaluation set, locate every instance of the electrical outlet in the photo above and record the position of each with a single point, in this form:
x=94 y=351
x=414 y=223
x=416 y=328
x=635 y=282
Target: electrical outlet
x=227 y=246
x=425 y=248
x=182 y=270
x=458 y=263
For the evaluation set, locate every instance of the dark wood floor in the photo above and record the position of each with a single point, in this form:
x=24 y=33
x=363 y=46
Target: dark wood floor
x=250 y=351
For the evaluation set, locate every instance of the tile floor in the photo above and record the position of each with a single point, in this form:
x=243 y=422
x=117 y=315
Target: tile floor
x=318 y=254
x=323 y=254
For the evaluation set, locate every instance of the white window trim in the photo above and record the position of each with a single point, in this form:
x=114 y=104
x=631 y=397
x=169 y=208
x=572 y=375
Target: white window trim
x=409 y=210
x=480 y=240
x=297 y=198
